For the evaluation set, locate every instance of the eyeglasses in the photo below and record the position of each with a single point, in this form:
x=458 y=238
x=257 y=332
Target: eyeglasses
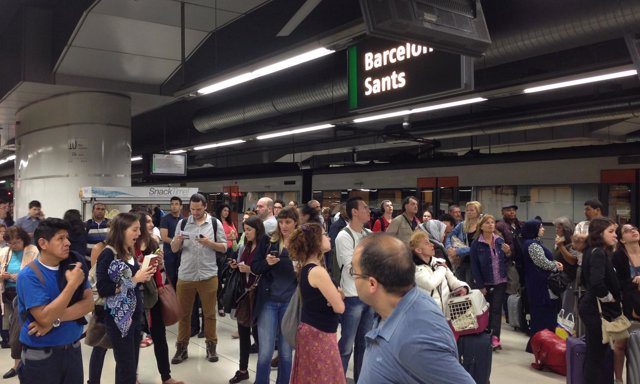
x=357 y=275
x=629 y=229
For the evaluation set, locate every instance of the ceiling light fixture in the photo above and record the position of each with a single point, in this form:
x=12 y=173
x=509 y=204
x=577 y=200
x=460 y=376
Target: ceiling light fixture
x=428 y=108
x=294 y=131
x=448 y=105
x=584 y=80
x=266 y=70
x=382 y=116
x=177 y=151
x=222 y=144
x=136 y=158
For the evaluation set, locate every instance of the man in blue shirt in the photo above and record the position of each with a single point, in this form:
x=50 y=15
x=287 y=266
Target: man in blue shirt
x=168 y=225
x=53 y=298
x=97 y=227
x=31 y=220
x=410 y=341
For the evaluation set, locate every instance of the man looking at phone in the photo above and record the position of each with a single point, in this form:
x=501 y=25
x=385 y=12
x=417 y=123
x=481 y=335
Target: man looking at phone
x=53 y=316
x=198 y=273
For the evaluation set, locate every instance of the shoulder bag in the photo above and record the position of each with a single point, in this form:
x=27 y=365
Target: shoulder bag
x=291 y=319
x=617 y=329
x=171 y=309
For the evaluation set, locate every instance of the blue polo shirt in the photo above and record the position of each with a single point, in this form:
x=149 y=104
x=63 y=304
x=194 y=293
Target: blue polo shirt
x=29 y=224
x=169 y=222
x=413 y=345
x=31 y=294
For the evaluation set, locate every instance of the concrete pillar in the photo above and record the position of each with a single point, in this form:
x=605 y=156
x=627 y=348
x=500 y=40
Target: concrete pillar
x=69 y=141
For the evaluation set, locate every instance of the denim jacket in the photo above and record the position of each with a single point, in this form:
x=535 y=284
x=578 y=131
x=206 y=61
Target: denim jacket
x=481 y=262
x=458 y=232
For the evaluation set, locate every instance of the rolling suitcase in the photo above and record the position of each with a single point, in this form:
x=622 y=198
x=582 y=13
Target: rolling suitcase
x=517 y=309
x=475 y=354
x=513 y=303
x=576 y=350
x=633 y=357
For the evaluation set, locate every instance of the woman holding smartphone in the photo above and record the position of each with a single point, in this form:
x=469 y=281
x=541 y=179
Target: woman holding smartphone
x=147 y=245
x=277 y=284
x=254 y=233
x=118 y=276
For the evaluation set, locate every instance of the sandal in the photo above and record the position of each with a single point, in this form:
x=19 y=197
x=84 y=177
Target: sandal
x=147 y=341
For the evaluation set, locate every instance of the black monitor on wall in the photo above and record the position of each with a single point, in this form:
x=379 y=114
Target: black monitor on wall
x=456 y=26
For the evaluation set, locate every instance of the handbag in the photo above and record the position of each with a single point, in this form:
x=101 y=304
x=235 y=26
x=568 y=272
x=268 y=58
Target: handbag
x=616 y=329
x=291 y=319
x=558 y=282
x=565 y=325
x=171 y=309
x=97 y=333
x=245 y=304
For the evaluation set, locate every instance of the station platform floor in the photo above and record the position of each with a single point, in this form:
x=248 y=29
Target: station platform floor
x=510 y=365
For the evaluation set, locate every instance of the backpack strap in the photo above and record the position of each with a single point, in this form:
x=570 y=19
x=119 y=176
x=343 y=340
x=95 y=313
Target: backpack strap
x=36 y=269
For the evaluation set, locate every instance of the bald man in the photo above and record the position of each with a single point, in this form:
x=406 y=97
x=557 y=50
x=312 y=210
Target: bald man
x=424 y=351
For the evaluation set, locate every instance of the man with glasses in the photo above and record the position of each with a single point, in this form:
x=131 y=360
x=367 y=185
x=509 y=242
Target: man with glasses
x=410 y=341
x=277 y=207
x=357 y=318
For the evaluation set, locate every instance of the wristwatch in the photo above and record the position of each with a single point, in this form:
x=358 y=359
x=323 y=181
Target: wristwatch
x=56 y=323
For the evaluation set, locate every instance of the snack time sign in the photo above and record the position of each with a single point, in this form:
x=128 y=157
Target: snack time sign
x=385 y=72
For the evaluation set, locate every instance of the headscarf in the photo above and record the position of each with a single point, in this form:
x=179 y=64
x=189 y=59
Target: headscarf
x=435 y=229
x=530 y=229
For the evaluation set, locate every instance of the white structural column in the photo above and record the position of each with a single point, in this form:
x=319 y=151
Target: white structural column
x=69 y=141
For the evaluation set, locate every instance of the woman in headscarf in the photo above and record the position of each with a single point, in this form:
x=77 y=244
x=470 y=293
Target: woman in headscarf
x=538 y=265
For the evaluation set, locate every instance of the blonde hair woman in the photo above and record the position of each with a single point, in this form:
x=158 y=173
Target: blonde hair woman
x=460 y=239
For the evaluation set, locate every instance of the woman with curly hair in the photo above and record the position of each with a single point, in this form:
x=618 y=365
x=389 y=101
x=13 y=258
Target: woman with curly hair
x=317 y=358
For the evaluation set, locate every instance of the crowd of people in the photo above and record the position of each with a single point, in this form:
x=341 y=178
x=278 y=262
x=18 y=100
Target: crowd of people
x=368 y=275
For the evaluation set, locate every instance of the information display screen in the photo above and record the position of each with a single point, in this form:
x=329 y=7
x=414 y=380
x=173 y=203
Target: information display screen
x=174 y=165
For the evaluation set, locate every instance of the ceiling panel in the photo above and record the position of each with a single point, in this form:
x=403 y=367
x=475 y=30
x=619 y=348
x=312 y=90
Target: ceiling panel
x=116 y=66
x=135 y=37
x=237 y=6
x=166 y=12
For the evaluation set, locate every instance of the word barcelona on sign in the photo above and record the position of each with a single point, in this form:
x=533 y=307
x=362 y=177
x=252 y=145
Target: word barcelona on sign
x=383 y=72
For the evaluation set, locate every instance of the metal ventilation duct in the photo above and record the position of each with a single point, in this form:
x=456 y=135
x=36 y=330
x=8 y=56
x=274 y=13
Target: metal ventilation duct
x=533 y=28
x=286 y=102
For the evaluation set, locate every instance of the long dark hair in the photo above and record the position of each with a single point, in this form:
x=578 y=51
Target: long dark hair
x=145 y=238
x=219 y=213
x=597 y=226
x=256 y=223
x=116 y=236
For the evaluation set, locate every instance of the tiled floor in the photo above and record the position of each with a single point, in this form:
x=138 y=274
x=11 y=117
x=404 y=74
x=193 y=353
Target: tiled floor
x=511 y=365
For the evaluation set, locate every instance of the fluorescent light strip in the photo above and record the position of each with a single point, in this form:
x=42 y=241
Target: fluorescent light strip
x=177 y=151
x=136 y=158
x=420 y=110
x=266 y=70
x=585 y=80
x=222 y=144
x=382 y=116
x=294 y=131
x=3 y=181
x=448 y=105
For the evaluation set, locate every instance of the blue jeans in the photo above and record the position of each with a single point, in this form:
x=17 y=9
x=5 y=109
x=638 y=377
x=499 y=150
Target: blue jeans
x=269 y=321
x=355 y=322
